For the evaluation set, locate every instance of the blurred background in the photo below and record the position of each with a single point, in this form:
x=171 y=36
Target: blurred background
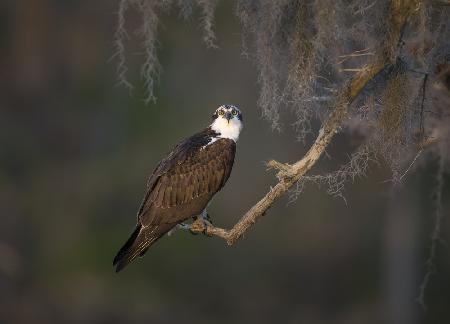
x=75 y=153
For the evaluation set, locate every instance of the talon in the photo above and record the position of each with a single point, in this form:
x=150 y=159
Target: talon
x=196 y=227
x=206 y=223
x=200 y=226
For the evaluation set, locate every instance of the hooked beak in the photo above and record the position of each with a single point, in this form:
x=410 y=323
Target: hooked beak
x=228 y=116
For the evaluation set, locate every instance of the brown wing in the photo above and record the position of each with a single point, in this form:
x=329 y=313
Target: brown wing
x=180 y=187
x=185 y=189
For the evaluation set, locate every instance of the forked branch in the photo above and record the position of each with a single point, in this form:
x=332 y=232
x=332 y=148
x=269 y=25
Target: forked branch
x=289 y=174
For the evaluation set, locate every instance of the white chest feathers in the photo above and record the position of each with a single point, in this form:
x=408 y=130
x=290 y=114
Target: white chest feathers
x=227 y=129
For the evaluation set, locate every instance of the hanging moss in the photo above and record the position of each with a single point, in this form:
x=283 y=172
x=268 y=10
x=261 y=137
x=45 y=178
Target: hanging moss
x=305 y=50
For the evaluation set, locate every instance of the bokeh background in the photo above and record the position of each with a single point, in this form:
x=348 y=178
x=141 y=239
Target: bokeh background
x=75 y=152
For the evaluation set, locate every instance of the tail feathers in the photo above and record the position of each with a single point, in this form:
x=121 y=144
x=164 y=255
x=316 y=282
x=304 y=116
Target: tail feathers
x=130 y=250
x=137 y=245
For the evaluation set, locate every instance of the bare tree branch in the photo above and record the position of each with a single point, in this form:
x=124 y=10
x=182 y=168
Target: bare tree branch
x=289 y=174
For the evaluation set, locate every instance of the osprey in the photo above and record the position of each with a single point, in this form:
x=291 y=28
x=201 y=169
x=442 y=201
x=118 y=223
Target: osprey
x=184 y=182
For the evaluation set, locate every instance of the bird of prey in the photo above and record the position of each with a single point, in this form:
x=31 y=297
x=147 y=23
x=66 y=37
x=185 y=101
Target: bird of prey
x=184 y=182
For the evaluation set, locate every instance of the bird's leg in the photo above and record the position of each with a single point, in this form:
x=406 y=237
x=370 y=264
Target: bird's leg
x=201 y=223
x=177 y=227
x=205 y=216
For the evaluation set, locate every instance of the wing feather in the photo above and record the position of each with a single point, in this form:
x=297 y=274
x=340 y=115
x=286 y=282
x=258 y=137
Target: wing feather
x=180 y=187
x=188 y=184
x=200 y=174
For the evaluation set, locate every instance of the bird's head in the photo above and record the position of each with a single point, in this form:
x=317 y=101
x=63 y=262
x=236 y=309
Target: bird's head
x=227 y=121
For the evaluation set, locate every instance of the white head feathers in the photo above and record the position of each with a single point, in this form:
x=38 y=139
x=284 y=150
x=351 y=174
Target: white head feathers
x=227 y=122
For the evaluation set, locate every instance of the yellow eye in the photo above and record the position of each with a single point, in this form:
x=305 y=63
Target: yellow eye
x=221 y=112
x=234 y=112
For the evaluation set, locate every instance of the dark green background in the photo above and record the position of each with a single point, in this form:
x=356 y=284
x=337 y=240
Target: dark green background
x=75 y=152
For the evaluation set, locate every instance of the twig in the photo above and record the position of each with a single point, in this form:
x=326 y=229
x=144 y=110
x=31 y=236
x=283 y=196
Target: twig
x=422 y=146
x=412 y=163
x=354 y=54
x=350 y=70
x=287 y=174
